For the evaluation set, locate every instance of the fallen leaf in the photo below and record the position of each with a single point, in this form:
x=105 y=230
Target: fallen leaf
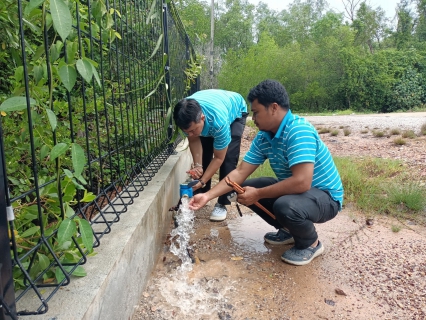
x=340 y=291
x=237 y=258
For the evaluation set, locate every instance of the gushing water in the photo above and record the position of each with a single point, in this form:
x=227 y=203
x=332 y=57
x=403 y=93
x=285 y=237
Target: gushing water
x=181 y=234
x=196 y=297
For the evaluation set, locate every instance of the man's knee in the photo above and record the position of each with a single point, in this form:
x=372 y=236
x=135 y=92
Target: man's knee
x=286 y=210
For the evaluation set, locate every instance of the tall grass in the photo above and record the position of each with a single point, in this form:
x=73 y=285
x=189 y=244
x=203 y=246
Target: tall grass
x=381 y=186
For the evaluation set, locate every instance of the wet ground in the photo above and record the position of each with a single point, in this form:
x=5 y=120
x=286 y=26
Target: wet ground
x=367 y=272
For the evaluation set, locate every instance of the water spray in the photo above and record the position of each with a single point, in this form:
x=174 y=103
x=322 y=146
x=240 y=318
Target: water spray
x=184 y=225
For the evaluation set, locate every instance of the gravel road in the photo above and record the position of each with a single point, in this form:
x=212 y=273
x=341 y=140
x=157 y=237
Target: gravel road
x=402 y=121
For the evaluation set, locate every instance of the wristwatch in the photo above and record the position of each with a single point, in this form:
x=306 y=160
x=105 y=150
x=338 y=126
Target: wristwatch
x=203 y=184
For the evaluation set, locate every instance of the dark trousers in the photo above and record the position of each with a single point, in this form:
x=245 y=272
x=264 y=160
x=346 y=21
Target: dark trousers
x=296 y=212
x=231 y=158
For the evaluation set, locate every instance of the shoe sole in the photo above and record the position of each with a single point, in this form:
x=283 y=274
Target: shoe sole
x=288 y=241
x=302 y=263
x=217 y=219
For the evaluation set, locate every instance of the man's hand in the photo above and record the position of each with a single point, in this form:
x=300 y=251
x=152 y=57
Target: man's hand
x=196 y=173
x=250 y=196
x=198 y=201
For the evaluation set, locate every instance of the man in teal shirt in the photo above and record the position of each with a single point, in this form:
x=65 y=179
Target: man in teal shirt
x=307 y=188
x=213 y=121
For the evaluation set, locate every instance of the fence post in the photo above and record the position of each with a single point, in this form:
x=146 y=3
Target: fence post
x=167 y=68
x=7 y=292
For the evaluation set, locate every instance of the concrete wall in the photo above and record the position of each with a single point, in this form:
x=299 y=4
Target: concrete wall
x=119 y=272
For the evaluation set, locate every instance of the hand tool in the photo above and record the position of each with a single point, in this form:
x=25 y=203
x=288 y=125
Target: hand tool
x=237 y=188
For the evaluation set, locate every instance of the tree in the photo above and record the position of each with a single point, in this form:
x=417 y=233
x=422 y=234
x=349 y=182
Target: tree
x=404 y=31
x=195 y=16
x=350 y=8
x=369 y=26
x=421 y=23
x=270 y=22
x=300 y=18
x=234 y=26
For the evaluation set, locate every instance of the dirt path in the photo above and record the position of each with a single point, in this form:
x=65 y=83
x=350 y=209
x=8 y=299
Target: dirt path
x=367 y=271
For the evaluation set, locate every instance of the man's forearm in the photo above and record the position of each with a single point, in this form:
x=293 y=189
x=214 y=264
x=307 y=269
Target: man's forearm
x=196 y=149
x=212 y=169
x=238 y=175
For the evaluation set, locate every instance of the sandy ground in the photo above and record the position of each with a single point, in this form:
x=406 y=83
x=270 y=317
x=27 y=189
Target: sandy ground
x=367 y=272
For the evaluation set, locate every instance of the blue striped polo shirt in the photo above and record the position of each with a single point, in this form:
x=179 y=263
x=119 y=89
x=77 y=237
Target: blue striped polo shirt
x=220 y=108
x=297 y=141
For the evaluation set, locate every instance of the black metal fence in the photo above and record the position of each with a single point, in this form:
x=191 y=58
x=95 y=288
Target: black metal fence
x=85 y=92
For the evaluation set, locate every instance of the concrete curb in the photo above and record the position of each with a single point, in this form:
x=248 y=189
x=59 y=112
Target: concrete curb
x=118 y=274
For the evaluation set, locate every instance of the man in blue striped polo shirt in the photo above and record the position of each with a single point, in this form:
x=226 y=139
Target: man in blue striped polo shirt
x=213 y=121
x=307 y=188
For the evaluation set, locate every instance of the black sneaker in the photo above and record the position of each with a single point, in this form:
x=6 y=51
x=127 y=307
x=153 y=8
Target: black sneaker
x=300 y=257
x=279 y=237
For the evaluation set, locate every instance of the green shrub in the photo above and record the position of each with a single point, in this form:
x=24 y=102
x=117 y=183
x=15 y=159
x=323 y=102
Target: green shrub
x=423 y=129
x=324 y=130
x=395 y=132
x=395 y=228
x=410 y=195
x=379 y=134
x=334 y=132
x=408 y=134
x=399 y=141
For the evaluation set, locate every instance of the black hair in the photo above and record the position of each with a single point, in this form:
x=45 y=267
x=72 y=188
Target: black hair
x=270 y=91
x=185 y=112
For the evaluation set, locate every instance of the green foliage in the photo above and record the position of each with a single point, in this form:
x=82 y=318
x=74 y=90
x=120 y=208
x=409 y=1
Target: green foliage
x=395 y=131
x=423 y=129
x=408 y=134
x=380 y=186
x=395 y=228
x=263 y=170
x=399 y=141
x=240 y=73
x=379 y=133
x=195 y=16
x=346 y=132
x=411 y=195
x=65 y=94
x=324 y=130
x=408 y=92
x=334 y=132
x=233 y=26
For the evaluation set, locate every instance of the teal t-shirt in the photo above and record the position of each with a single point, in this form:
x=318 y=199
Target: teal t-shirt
x=220 y=108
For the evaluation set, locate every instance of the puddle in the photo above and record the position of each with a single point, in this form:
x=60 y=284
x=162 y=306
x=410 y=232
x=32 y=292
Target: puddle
x=247 y=232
